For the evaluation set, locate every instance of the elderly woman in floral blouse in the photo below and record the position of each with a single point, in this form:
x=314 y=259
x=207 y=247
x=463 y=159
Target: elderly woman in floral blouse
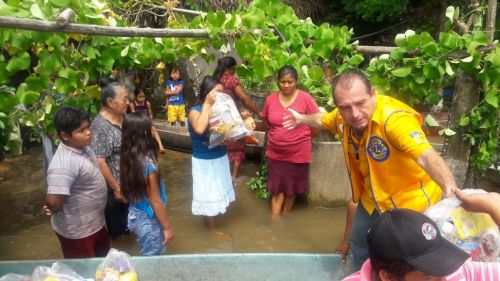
x=106 y=142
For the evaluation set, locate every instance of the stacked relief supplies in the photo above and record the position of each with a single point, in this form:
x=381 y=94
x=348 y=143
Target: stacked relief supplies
x=475 y=233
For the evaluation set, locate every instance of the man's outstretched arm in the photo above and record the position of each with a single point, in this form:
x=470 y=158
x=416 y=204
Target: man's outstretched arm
x=438 y=170
x=295 y=119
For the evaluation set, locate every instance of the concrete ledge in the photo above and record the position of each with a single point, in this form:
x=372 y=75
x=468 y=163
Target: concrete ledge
x=329 y=184
x=328 y=179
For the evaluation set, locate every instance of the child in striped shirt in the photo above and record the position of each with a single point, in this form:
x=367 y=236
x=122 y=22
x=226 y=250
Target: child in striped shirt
x=77 y=192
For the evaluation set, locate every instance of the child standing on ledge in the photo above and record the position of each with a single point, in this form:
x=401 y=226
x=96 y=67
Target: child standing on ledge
x=174 y=89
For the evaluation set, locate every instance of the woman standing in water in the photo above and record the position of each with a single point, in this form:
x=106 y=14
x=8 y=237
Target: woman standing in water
x=225 y=73
x=106 y=142
x=288 y=151
x=212 y=186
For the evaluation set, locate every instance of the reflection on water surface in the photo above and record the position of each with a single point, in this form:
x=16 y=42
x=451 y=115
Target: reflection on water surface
x=26 y=234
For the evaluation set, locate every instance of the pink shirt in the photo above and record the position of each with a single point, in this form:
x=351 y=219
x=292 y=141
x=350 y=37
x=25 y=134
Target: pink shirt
x=288 y=145
x=469 y=271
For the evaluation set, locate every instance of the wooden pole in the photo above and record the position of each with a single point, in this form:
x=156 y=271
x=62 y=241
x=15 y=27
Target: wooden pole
x=45 y=26
x=375 y=50
x=185 y=11
x=490 y=19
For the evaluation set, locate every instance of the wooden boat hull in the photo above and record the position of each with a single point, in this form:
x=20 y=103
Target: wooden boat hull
x=177 y=138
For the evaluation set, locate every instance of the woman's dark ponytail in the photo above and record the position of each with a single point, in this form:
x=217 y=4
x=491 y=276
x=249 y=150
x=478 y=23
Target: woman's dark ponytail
x=223 y=64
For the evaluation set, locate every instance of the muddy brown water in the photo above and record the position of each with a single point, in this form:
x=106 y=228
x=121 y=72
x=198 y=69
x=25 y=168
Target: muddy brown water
x=25 y=233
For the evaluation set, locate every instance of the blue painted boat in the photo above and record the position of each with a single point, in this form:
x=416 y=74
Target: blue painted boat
x=209 y=267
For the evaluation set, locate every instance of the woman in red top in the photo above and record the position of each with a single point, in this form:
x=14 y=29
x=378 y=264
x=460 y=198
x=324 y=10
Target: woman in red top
x=288 y=151
x=225 y=73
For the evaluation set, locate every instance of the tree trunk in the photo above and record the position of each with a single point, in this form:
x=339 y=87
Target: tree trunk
x=456 y=151
x=490 y=19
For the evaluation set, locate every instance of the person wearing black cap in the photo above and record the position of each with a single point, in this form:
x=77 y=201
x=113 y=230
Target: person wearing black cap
x=405 y=245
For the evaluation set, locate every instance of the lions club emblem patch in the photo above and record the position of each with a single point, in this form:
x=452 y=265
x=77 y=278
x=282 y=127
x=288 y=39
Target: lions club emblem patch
x=378 y=149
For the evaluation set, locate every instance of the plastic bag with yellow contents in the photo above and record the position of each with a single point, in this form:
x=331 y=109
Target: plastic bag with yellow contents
x=116 y=267
x=475 y=233
x=225 y=121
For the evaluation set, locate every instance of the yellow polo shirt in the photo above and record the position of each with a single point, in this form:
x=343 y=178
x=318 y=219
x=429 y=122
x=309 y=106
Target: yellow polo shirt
x=403 y=132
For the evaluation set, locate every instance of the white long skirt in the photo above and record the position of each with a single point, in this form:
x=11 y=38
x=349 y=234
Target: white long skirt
x=212 y=186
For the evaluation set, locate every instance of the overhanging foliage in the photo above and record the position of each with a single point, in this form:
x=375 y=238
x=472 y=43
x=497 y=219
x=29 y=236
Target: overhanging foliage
x=266 y=34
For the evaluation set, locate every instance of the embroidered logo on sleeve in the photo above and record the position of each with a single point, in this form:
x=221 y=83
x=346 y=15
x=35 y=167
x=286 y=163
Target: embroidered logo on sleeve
x=378 y=149
x=418 y=137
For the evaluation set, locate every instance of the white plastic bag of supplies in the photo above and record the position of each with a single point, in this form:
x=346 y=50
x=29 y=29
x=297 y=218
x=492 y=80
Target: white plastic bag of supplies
x=475 y=233
x=57 y=272
x=15 y=277
x=225 y=121
x=116 y=267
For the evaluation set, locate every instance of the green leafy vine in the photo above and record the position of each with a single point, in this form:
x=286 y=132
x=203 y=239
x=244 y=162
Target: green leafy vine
x=55 y=68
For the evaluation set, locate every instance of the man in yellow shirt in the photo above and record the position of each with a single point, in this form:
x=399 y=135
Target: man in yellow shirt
x=389 y=160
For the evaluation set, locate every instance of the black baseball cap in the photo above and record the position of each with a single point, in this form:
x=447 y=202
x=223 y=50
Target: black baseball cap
x=412 y=237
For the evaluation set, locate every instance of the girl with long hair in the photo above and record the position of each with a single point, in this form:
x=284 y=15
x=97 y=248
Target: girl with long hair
x=142 y=185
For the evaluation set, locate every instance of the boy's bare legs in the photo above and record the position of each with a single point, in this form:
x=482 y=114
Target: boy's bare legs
x=288 y=205
x=277 y=205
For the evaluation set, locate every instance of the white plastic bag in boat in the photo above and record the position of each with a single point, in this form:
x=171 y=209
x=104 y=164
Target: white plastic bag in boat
x=58 y=271
x=15 y=277
x=116 y=267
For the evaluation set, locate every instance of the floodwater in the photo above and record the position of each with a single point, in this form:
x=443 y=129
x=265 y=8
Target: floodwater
x=25 y=233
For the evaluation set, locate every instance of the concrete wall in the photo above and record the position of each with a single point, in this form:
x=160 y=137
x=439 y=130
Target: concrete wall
x=328 y=179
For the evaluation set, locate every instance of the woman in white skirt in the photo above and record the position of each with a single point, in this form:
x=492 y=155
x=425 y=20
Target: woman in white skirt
x=212 y=185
